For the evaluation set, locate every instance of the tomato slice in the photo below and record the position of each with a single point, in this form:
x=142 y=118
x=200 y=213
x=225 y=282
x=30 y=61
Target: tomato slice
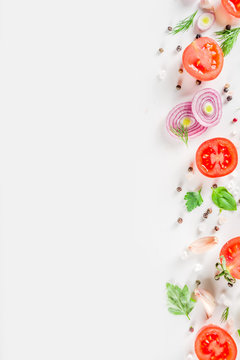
x=232 y=7
x=231 y=252
x=216 y=157
x=214 y=343
x=203 y=59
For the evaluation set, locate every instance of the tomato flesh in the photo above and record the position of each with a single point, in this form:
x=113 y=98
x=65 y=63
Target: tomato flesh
x=231 y=252
x=216 y=157
x=232 y=7
x=214 y=343
x=203 y=59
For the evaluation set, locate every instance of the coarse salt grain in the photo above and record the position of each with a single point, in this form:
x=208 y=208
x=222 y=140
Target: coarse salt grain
x=162 y=74
x=184 y=255
x=189 y=357
x=222 y=219
x=198 y=267
x=201 y=228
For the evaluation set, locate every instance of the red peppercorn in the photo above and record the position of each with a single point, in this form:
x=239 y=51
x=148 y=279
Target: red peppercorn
x=235 y=120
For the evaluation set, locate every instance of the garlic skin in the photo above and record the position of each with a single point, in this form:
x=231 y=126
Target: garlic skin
x=203 y=245
x=207 y=300
x=207 y=5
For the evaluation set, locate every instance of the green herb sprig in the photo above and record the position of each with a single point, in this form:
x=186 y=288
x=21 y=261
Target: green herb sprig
x=184 y=24
x=227 y=39
x=225 y=314
x=223 y=271
x=238 y=332
x=179 y=300
x=223 y=199
x=193 y=200
x=181 y=132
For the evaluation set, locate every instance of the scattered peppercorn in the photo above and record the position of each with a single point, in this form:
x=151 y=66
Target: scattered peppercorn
x=205 y=215
x=191 y=329
x=209 y=211
x=198 y=36
x=190 y=169
x=198 y=82
x=229 y=98
x=216 y=228
x=227 y=85
x=230 y=285
x=198 y=282
x=235 y=120
x=179 y=189
x=178 y=87
x=180 y=70
x=228 y=27
x=239 y=201
x=179 y=48
x=214 y=186
x=161 y=50
x=180 y=220
x=226 y=90
x=217 y=277
x=169 y=28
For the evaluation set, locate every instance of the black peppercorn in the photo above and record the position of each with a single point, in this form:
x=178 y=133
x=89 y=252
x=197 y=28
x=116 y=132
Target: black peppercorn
x=205 y=215
x=216 y=228
x=190 y=169
x=178 y=87
x=198 y=282
x=179 y=48
x=161 y=50
x=229 y=98
x=180 y=71
x=198 y=36
x=214 y=186
x=226 y=89
x=228 y=27
x=198 y=82
x=169 y=28
x=179 y=189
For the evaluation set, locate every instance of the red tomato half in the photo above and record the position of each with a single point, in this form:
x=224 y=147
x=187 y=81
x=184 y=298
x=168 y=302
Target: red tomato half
x=203 y=59
x=232 y=7
x=231 y=252
x=214 y=343
x=216 y=157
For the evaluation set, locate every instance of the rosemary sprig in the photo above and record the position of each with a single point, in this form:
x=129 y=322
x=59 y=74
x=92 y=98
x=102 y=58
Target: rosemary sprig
x=223 y=271
x=181 y=132
x=225 y=314
x=184 y=25
x=227 y=39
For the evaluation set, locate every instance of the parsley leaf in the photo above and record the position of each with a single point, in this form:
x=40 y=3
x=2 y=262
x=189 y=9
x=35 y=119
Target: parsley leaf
x=223 y=199
x=193 y=200
x=179 y=300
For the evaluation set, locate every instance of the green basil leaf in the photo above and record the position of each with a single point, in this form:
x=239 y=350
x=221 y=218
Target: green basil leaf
x=223 y=199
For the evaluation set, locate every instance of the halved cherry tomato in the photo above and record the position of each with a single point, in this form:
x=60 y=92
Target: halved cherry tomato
x=216 y=157
x=203 y=59
x=231 y=252
x=214 y=343
x=232 y=7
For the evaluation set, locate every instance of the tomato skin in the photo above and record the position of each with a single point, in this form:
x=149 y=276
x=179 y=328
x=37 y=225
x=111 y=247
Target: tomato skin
x=232 y=7
x=216 y=157
x=215 y=343
x=203 y=59
x=231 y=252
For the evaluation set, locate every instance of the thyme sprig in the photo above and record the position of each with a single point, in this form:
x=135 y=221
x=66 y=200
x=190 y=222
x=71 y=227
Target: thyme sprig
x=225 y=314
x=184 y=24
x=227 y=39
x=181 y=132
x=223 y=271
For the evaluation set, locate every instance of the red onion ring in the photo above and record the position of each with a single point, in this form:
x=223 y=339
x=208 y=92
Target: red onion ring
x=177 y=114
x=203 y=97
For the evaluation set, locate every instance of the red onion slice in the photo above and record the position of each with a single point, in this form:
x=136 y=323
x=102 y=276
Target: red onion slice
x=178 y=114
x=204 y=100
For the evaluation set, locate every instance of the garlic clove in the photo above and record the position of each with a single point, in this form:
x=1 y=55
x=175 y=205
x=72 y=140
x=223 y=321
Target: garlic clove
x=207 y=300
x=207 y=5
x=202 y=245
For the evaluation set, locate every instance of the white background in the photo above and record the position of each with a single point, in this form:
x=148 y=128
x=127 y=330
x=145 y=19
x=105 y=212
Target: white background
x=88 y=206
